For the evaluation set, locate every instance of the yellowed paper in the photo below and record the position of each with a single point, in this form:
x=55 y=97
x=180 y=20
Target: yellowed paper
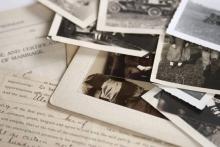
x=27 y=121
x=39 y=57
x=24 y=23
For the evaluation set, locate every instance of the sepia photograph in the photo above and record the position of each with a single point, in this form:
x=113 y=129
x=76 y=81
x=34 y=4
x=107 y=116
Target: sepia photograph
x=203 y=126
x=120 y=79
x=129 y=67
x=182 y=64
x=90 y=89
x=118 y=91
x=197 y=99
x=135 y=16
x=197 y=21
x=81 y=12
x=131 y=44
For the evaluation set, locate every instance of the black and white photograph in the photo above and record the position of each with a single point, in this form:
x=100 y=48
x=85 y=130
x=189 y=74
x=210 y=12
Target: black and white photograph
x=90 y=88
x=135 y=16
x=197 y=99
x=130 y=44
x=206 y=122
x=182 y=64
x=203 y=126
x=197 y=21
x=81 y=12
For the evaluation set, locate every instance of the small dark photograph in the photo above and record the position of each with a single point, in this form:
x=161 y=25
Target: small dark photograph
x=119 y=91
x=129 y=41
x=207 y=121
x=129 y=67
x=189 y=64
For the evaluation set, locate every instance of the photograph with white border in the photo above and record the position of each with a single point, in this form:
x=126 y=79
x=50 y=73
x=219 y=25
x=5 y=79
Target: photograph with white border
x=81 y=12
x=86 y=90
x=197 y=21
x=203 y=126
x=194 y=98
x=62 y=30
x=185 y=65
x=135 y=16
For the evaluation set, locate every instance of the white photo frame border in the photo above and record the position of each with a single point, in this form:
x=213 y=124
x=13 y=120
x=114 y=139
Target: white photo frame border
x=179 y=122
x=68 y=97
x=174 y=21
x=102 y=20
x=171 y=84
x=82 y=24
x=200 y=104
x=53 y=35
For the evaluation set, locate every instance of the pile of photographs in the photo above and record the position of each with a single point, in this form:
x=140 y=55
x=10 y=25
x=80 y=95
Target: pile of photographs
x=141 y=64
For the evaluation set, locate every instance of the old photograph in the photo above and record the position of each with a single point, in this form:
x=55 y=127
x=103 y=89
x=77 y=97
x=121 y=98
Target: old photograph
x=129 y=67
x=81 y=12
x=203 y=125
x=130 y=44
x=182 y=64
x=135 y=16
x=197 y=99
x=198 y=21
x=115 y=80
x=90 y=89
x=206 y=122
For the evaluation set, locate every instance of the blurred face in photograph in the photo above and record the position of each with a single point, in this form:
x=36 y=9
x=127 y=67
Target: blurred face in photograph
x=110 y=89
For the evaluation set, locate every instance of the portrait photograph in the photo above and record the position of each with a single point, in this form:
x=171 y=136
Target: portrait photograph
x=116 y=78
x=109 y=93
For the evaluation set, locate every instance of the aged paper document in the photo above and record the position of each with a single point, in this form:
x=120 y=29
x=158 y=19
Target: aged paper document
x=30 y=51
x=27 y=121
x=39 y=57
x=24 y=23
x=24 y=17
